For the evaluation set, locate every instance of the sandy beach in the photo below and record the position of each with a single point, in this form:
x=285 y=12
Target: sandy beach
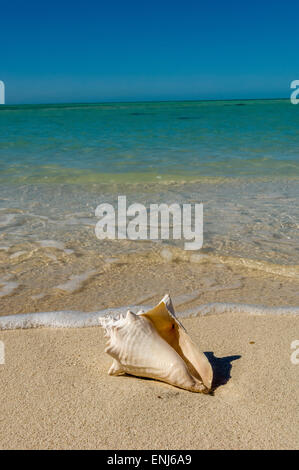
x=56 y=392
x=149 y=156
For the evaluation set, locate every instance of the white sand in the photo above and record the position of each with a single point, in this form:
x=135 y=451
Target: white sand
x=56 y=393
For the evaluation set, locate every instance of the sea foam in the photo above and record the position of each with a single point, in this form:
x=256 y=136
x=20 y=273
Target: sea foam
x=247 y=309
x=77 y=319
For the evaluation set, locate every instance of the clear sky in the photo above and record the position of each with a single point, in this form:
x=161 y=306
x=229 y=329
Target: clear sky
x=70 y=51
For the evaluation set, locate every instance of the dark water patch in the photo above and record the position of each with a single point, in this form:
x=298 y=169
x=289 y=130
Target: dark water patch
x=141 y=114
x=188 y=118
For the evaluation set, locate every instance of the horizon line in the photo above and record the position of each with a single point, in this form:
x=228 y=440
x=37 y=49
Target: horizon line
x=140 y=101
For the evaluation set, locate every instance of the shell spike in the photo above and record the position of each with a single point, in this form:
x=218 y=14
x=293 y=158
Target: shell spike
x=131 y=317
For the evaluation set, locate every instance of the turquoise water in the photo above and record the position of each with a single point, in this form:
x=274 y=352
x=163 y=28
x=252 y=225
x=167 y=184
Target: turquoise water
x=143 y=141
x=240 y=158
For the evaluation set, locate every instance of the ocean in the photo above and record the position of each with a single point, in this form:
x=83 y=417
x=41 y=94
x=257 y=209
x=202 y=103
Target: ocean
x=140 y=142
x=58 y=162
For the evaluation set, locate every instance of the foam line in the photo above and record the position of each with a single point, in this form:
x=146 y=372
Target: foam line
x=59 y=319
x=76 y=319
x=222 y=307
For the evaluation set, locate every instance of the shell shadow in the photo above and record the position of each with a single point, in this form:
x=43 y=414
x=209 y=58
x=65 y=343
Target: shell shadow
x=221 y=368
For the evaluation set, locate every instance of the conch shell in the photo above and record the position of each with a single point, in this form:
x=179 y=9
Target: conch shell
x=156 y=345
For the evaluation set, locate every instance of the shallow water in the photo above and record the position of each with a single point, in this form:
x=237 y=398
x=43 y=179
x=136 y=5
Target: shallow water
x=58 y=162
x=143 y=141
x=255 y=220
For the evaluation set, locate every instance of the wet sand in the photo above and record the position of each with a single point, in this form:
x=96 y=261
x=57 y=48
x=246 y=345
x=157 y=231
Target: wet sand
x=50 y=279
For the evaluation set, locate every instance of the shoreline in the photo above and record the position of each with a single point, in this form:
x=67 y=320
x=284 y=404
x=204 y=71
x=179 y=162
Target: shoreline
x=76 y=319
x=52 y=279
x=56 y=391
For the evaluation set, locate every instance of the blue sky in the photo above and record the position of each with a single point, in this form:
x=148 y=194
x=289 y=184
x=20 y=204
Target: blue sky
x=62 y=51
